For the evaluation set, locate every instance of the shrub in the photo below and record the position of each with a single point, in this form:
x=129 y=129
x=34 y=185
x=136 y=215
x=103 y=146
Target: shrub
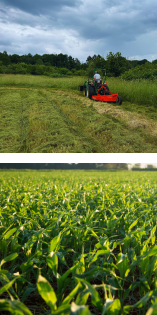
x=69 y=73
x=46 y=73
x=39 y=69
x=63 y=70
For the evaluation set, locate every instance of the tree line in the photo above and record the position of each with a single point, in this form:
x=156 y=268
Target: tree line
x=65 y=166
x=76 y=166
x=149 y=167
x=63 y=65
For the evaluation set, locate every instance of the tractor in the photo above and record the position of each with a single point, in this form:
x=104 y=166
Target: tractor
x=97 y=89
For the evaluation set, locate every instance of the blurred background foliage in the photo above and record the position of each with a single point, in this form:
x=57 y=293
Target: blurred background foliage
x=63 y=65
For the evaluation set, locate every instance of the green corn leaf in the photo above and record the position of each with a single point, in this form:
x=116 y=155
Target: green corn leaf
x=82 y=297
x=151 y=266
x=47 y=292
x=96 y=300
x=153 y=235
x=123 y=265
x=112 y=307
x=26 y=267
x=95 y=271
x=82 y=267
x=27 y=292
x=105 y=286
x=56 y=240
x=65 y=275
x=5 y=280
x=71 y=295
x=6 y=231
x=94 y=234
x=52 y=262
x=61 y=258
x=14 y=242
x=79 y=309
x=63 y=309
x=126 y=310
x=132 y=225
x=152 y=252
x=9 y=233
x=100 y=252
x=8 y=258
x=3 y=247
x=14 y=306
x=7 y=286
x=152 y=310
x=143 y=300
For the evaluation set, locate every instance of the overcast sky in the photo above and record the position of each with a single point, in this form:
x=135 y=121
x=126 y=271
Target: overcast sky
x=79 y=28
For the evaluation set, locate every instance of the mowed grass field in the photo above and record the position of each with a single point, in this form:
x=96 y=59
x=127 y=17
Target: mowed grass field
x=78 y=242
x=43 y=114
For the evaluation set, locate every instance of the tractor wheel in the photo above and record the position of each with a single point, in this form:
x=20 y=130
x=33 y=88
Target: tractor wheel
x=119 y=101
x=85 y=92
x=90 y=91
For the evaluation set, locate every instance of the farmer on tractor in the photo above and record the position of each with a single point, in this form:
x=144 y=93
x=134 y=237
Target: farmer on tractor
x=97 y=76
x=98 y=81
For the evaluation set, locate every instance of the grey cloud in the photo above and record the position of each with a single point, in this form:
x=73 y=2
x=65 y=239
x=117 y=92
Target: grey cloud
x=38 y=7
x=125 y=24
x=4 y=42
x=3 y=11
x=95 y=27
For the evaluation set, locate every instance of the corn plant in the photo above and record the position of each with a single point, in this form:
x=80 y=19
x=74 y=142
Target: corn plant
x=78 y=243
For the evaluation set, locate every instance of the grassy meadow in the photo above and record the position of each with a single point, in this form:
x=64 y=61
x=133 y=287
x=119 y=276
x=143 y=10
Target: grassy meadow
x=78 y=242
x=43 y=114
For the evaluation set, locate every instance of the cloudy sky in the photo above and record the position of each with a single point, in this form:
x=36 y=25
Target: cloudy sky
x=79 y=27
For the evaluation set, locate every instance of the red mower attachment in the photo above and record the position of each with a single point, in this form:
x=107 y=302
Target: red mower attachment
x=107 y=96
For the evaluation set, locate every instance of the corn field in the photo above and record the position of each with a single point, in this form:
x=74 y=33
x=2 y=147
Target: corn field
x=78 y=243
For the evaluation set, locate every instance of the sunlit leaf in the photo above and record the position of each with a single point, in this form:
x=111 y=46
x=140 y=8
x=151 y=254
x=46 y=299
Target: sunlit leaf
x=8 y=258
x=47 y=292
x=14 y=306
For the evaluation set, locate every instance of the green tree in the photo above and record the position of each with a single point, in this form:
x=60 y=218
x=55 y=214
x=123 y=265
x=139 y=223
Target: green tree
x=29 y=59
x=100 y=62
x=77 y=64
x=112 y=65
x=35 y=58
x=47 y=64
x=71 y=63
x=154 y=62
x=15 y=58
x=150 y=166
x=5 y=58
x=137 y=165
x=116 y=64
x=39 y=62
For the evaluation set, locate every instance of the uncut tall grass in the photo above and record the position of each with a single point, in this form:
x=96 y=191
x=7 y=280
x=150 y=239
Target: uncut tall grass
x=142 y=92
x=30 y=81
